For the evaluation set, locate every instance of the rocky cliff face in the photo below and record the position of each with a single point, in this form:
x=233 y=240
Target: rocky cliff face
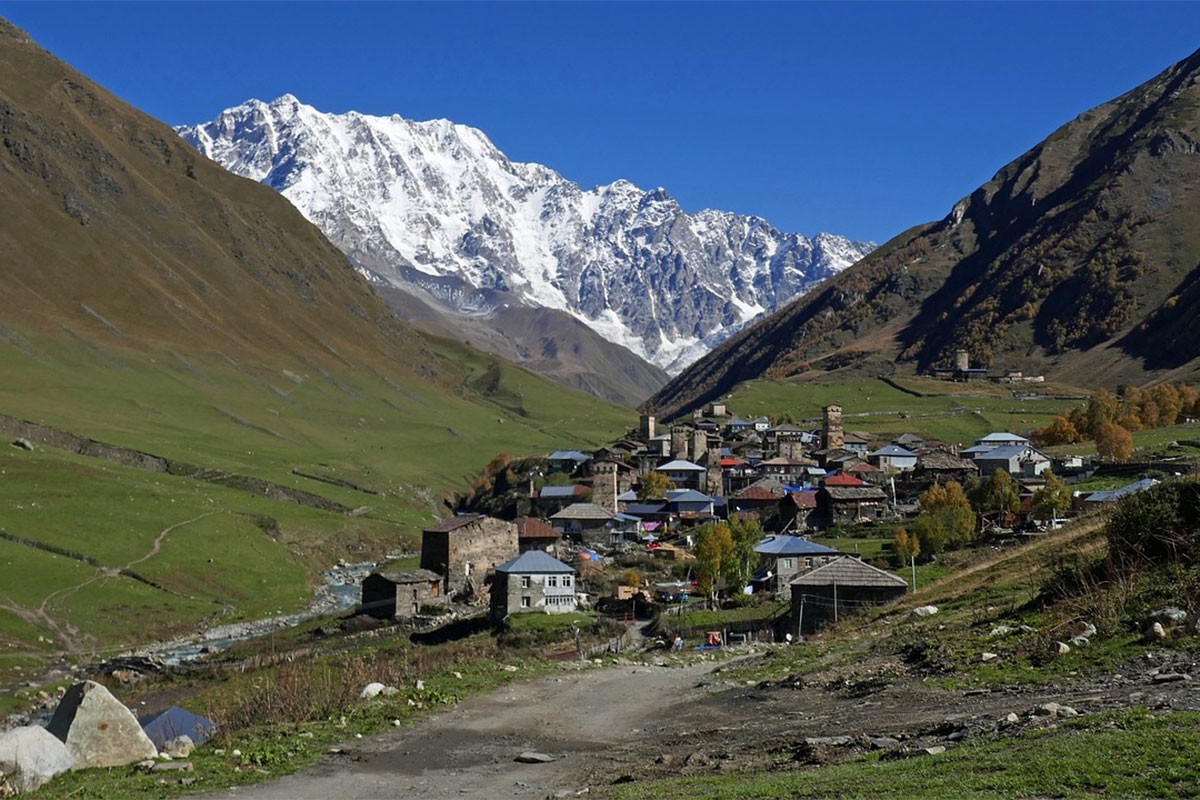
x=416 y=203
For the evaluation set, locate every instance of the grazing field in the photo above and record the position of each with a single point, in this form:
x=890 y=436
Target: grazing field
x=961 y=414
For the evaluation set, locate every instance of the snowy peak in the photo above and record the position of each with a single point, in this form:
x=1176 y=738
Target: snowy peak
x=440 y=198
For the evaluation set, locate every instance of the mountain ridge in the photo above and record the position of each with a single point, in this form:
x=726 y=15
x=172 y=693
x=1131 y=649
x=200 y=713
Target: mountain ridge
x=442 y=199
x=1077 y=260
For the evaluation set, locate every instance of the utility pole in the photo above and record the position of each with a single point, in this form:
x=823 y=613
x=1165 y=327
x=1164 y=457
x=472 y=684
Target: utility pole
x=913 y=561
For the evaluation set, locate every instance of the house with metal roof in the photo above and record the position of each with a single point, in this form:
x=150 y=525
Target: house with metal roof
x=400 y=595
x=684 y=474
x=1098 y=499
x=1001 y=439
x=533 y=581
x=781 y=558
x=567 y=460
x=1017 y=460
x=689 y=504
x=838 y=589
x=893 y=458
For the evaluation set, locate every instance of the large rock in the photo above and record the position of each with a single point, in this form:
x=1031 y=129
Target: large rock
x=30 y=756
x=98 y=730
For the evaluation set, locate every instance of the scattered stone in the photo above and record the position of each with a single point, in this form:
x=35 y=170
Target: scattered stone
x=1169 y=616
x=936 y=750
x=23 y=444
x=1171 y=677
x=1055 y=710
x=885 y=743
x=925 y=611
x=179 y=747
x=509 y=668
x=828 y=741
x=696 y=759
x=389 y=691
x=420 y=685
x=1000 y=630
x=173 y=766
x=1080 y=641
x=30 y=756
x=1062 y=648
x=1011 y=719
x=457 y=675
x=531 y=757
x=987 y=658
x=372 y=689
x=1155 y=632
x=98 y=729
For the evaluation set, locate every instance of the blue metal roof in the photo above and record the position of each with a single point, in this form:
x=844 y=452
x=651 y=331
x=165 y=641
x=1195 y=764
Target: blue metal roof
x=550 y=492
x=568 y=455
x=687 y=496
x=792 y=546
x=537 y=561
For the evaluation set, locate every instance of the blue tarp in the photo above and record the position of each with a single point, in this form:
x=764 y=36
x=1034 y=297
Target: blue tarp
x=176 y=721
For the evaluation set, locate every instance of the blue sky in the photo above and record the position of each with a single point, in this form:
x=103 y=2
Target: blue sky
x=857 y=118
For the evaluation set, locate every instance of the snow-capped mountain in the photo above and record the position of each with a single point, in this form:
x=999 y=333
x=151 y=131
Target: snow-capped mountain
x=423 y=202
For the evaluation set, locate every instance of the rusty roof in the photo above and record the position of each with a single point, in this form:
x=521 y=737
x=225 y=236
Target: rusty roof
x=454 y=523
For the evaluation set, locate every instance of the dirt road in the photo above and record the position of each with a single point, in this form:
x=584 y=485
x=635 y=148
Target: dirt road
x=637 y=722
x=470 y=751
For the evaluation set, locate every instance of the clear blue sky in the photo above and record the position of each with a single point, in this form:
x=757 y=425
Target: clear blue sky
x=856 y=118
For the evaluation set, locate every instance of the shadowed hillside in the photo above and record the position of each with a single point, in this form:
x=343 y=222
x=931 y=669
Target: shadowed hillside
x=1078 y=261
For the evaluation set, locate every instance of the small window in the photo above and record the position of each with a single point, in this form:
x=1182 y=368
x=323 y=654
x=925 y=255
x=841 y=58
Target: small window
x=526 y=602
x=808 y=562
x=787 y=563
x=524 y=581
x=552 y=581
x=566 y=581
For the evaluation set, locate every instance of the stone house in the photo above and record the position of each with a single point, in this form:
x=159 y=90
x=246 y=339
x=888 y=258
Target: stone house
x=400 y=595
x=850 y=504
x=533 y=581
x=586 y=523
x=1017 y=460
x=684 y=474
x=893 y=458
x=465 y=548
x=782 y=558
x=837 y=589
x=534 y=534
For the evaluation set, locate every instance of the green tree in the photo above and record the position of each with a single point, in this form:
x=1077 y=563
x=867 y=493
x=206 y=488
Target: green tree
x=995 y=496
x=746 y=535
x=945 y=520
x=1114 y=443
x=714 y=550
x=653 y=486
x=1052 y=500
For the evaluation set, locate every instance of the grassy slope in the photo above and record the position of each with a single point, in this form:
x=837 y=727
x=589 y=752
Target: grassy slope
x=960 y=413
x=229 y=554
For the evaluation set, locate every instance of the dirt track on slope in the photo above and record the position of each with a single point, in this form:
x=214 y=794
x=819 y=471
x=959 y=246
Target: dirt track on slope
x=633 y=722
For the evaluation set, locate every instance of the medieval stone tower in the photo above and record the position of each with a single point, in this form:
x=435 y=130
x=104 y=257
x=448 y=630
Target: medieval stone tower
x=604 y=485
x=679 y=441
x=714 y=479
x=699 y=445
x=646 y=427
x=962 y=360
x=834 y=436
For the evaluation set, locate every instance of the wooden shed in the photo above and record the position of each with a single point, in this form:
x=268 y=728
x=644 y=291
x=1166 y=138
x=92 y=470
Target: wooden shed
x=839 y=588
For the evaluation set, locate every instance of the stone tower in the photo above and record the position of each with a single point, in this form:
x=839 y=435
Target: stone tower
x=604 y=485
x=699 y=445
x=679 y=441
x=962 y=360
x=834 y=438
x=714 y=479
x=646 y=427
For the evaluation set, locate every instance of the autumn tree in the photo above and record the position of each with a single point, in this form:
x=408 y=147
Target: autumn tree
x=1102 y=407
x=653 y=486
x=1060 y=431
x=1169 y=400
x=945 y=519
x=1114 y=443
x=1052 y=500
x=905 y=545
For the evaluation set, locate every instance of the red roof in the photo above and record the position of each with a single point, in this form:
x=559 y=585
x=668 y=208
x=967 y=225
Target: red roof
x=755 y=493
x=804 y=499
x=731 y=462
x=841 y=479
x=534 y=528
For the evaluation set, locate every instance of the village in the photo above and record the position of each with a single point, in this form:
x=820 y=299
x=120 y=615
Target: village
x=617 y=530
